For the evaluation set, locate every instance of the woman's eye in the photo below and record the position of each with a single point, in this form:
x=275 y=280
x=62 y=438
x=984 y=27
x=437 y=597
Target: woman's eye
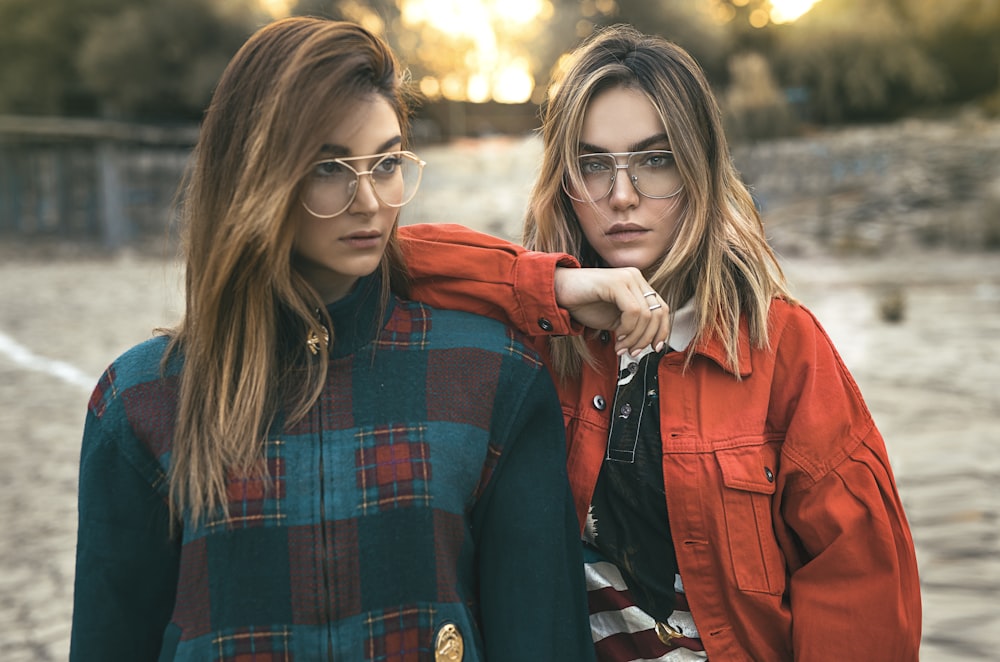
x=660 y=160
x=592 y=166
x=388 y=165
x=328 y=169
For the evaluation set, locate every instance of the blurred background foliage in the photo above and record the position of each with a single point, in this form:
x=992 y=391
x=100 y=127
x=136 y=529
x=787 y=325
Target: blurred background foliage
x=843 y=61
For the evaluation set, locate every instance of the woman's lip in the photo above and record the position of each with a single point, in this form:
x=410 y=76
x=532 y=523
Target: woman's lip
x=363 y=239
x=625 y=232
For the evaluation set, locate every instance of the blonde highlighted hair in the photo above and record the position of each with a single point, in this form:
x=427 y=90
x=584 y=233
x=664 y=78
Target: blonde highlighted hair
x=248 y=311
x=719 y=257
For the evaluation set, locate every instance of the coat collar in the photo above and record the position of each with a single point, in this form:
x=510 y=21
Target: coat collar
x=358 y=316
x=682 y=330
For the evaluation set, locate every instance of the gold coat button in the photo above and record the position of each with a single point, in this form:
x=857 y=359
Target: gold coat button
x=449 y=646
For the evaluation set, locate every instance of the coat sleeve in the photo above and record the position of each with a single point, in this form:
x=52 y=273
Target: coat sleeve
x=532 y=593
x=457 y=268
x=126 y=562
x=854 y=589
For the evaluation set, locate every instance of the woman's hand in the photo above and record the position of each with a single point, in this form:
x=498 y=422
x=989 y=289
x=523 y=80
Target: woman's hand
x=618 y=300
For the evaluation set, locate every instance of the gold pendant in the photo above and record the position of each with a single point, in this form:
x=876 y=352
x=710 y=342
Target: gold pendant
x=312 y=340
x=449 y=646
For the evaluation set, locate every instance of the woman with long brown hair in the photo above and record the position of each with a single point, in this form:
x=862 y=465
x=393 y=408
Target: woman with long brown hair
x=734 y=495
x=310 y=466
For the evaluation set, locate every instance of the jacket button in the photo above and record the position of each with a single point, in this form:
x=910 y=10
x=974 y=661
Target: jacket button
x=605 y=337
x=449 y=645
x=769 y=474
x=545 y=324
x=599 y=403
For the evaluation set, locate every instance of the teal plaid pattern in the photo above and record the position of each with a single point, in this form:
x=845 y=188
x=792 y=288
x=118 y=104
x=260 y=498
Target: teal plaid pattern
x=365 y=538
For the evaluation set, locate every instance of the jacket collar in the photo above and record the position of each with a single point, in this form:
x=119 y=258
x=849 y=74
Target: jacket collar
x=358 y=316
x=682 y=330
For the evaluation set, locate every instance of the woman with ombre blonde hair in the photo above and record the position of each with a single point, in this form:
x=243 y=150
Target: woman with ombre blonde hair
x=311 y=466
x=734 y=495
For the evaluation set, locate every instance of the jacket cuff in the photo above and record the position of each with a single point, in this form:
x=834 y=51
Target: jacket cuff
x=534 y=289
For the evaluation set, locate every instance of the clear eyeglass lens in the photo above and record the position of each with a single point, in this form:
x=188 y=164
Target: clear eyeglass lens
x=332 y=184
x=653 y=173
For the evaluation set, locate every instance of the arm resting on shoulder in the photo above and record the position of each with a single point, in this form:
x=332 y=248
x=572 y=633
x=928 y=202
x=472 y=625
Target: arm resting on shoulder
x=454 y=267
x=537 y=293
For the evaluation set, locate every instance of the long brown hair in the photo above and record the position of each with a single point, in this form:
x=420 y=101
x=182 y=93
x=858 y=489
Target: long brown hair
x=248 y=311
x=720 y=257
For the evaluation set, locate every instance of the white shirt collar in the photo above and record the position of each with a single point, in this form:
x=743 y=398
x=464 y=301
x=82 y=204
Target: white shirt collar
x=682 y=329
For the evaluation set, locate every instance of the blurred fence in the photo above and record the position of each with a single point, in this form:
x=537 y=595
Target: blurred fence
x=854 y=189
x=109 y=183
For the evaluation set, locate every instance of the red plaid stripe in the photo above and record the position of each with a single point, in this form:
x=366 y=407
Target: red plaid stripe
x=399 y=636
x=393 y=467
x=151 y=409
x=335 y=409
x=103 y=392
x=256 y=500
x=449 y=535
x=193 y=609
x=406 y=331
x=461 y=385
x=250 y=645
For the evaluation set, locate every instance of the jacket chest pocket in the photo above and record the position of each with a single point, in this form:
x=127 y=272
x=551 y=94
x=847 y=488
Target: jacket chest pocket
x=749 y=475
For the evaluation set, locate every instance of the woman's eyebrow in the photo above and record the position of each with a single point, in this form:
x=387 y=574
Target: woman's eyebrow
x=339 y=151
x=641 y=146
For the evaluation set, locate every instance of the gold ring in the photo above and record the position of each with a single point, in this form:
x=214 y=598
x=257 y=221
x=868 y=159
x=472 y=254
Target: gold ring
x=649 y=294
x=655 y=307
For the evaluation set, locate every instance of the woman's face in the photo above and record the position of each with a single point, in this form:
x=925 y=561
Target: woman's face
x=626 y=228
x=332 y=253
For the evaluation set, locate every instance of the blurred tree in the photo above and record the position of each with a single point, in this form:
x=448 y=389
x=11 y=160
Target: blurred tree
x=692 y=24
x=161 y=59
x=753 y=105
x=963 y=36
x=859 y=60
x=151 y=59
x=39 y=41
x=852 y=59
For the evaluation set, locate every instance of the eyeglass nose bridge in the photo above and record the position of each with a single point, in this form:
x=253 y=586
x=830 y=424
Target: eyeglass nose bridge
x=356 y=184
x=358 y=174
x=633 y=179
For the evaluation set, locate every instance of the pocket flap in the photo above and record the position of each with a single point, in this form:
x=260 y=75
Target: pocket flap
x=749 y=468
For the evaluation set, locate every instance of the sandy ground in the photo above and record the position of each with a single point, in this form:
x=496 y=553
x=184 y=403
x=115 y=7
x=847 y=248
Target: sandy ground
x=932 y=381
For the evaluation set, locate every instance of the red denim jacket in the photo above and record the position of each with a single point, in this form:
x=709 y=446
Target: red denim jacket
x=788 y=528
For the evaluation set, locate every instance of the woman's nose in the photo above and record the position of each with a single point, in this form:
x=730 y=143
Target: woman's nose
x=365 y=200
x=623 y=191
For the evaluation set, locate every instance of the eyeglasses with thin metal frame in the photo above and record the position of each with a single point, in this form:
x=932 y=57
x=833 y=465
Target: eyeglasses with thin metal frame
x=653 y=173
x=332 y=184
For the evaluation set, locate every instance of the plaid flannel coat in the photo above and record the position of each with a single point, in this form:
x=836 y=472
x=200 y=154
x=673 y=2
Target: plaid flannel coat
x=426 y=488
